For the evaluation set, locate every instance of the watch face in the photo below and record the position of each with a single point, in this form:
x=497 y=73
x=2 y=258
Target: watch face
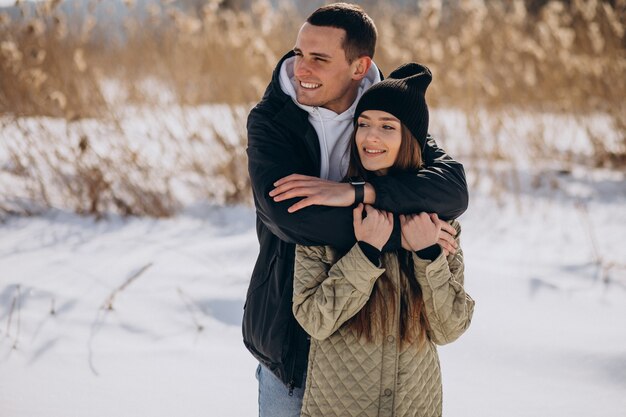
x=357 y=182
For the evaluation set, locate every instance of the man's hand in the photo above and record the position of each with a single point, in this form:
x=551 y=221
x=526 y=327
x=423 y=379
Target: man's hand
x=374 y=229
x=315 y=190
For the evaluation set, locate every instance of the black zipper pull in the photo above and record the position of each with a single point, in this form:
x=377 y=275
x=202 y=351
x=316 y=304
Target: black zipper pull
x=290 y=386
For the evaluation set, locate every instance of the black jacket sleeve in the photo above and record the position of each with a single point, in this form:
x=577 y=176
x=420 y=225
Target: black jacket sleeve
x=439 y=187
x=272 y=156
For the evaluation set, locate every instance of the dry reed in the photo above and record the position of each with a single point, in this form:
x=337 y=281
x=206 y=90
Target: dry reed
x=500 y=57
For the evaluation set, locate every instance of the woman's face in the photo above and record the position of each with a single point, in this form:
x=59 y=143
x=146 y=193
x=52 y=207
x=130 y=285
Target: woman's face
x=378 y=139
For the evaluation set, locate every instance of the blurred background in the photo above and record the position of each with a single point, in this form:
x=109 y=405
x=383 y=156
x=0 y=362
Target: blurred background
x=127 y=230
x=517 y=80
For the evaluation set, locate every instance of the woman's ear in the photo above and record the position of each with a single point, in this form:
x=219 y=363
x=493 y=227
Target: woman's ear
x=360 y=67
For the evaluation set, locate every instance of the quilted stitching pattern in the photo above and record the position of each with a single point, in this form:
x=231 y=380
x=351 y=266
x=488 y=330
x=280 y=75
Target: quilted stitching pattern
x=348 y=377
x=448 y=307
x=327 y=295
x=350 y=374
x=419 y=372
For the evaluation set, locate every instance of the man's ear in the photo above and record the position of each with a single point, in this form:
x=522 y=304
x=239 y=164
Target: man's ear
x=360 y=67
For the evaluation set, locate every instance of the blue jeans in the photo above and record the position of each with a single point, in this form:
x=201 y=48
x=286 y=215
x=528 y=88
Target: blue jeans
x=274 y=398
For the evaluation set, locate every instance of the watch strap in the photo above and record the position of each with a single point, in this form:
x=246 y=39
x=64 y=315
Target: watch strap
x=359 y=192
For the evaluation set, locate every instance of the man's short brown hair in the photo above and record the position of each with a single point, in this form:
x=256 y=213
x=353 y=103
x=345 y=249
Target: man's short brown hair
x=360 y=30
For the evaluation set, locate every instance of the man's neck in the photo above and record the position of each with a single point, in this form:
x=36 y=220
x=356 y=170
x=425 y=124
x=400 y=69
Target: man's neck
x=340 y=107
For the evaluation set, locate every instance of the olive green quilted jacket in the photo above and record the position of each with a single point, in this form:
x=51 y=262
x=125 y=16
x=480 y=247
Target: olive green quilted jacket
x=347 y=376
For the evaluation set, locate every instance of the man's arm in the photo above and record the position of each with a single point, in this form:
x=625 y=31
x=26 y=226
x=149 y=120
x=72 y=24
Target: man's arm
x=271 y=157
x=439 y=187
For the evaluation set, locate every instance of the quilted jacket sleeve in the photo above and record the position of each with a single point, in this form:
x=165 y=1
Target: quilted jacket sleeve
x=448 y=307
x=328 y=294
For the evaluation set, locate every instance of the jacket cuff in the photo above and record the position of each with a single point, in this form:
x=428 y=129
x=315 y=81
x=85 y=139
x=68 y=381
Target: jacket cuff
x=435 y=273
x=381 y=193
x=358 y=270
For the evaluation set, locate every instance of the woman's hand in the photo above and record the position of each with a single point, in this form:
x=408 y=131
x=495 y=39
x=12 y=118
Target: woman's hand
x=420 y=231
x=315 y=190
x=374 y=229
x=446 y=235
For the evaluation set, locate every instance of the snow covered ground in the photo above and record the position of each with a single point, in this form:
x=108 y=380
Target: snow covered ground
x=548 y=337
x=141 y=317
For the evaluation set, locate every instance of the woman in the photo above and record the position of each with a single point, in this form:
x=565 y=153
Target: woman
x=374 y=319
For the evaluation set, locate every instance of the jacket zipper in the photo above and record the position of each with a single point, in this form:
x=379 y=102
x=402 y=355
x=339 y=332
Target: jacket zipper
x=292 y=382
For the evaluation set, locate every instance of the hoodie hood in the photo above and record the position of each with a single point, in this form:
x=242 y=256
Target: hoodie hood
x=333 y=130
x=288 y=86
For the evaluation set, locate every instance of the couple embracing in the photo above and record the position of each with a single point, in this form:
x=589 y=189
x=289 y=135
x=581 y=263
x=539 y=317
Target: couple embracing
x=360 y=273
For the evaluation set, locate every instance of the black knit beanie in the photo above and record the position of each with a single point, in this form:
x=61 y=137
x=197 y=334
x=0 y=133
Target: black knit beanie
x=401 y=94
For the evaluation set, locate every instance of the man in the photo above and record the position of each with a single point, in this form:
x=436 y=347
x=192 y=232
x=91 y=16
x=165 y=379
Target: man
x=297 y=141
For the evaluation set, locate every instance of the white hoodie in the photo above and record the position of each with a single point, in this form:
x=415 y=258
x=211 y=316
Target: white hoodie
x=333 y=130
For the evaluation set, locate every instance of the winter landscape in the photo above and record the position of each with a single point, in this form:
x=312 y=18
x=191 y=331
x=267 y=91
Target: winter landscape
x=127 y=234
x=137 y=316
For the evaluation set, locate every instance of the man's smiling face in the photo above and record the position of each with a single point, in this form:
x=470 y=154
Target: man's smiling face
x=324 y=77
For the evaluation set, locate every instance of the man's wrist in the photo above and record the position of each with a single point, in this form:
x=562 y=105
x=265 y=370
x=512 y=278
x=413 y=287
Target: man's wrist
x=359 y=191
x=370 y=194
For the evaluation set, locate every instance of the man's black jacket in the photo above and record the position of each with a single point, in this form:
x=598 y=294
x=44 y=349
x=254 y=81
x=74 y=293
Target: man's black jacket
x=282 y=142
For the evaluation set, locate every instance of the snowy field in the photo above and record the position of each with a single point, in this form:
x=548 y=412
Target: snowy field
x=548 y=337
x=141 y=317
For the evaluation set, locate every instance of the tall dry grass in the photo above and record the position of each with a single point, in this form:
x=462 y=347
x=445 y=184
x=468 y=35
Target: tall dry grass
x=562 y=57
x=53 y=65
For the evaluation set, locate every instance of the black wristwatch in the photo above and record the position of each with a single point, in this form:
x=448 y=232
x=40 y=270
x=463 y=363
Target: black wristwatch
x=359 y=191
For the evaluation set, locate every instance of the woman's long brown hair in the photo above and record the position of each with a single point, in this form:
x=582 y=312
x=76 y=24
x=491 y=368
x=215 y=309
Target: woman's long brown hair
x=373 y=321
